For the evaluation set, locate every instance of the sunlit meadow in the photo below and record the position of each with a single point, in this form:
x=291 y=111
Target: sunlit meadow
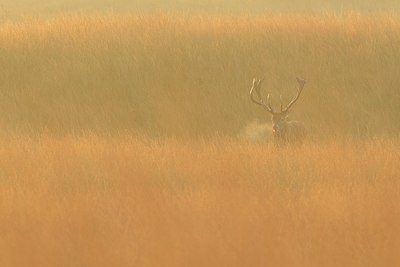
x=130 y=140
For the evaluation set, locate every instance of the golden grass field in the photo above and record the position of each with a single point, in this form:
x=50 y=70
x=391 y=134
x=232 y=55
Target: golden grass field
x=18 y=9
x=122 y=141
x=133 y=201
x=186 y=76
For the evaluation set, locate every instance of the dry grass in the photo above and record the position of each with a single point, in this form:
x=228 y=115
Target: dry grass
x=125 y=201
x=20 y=8
x=70 y=198
x=185 y=76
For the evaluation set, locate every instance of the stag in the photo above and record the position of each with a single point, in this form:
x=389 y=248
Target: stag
x=284 y=130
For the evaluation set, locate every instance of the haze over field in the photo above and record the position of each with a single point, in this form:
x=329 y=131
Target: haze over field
x=172 y=75
x=20 y=8
x=128 y=138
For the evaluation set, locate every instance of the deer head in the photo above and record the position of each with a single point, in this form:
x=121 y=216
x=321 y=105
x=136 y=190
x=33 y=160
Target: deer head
x=280 y=124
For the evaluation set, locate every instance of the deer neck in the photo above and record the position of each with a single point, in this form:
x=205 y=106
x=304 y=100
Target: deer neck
x=279 y=124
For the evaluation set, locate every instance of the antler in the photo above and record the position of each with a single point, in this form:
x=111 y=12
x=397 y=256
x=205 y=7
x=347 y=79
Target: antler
x=257 y=88
x=299 y=90
x=267 y=106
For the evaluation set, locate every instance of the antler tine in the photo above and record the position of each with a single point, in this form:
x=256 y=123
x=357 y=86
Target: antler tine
x=257 y=88
x=301 y=82
x=299 y=90
x=269 y=104
x=280 y=98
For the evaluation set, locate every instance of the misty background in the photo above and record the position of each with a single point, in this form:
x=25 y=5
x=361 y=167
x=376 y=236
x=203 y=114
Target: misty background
x=184 y=68
x=18 y=9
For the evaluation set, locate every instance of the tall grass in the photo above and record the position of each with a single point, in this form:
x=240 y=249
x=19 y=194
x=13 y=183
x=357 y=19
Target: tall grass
x=94 y=170
x=180 y=76
x=135 y=201
x=20 y=8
